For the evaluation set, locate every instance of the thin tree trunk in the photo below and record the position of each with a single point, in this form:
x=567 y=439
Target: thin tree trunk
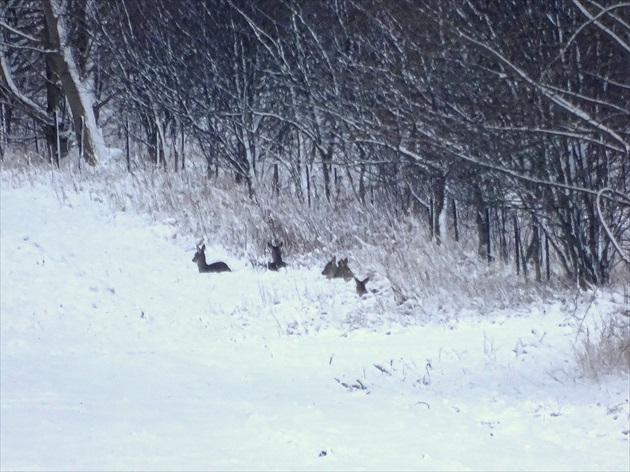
x=439 y=192
x=276 y=180
x=308 y=184
x=57 y=149
x=127 y=150
x=503 y=239
x=487 y=236
x=455 y=222
x=537 y=253
x=326 y=174
x=548 y=267
x=482 y=220
x=183 y=148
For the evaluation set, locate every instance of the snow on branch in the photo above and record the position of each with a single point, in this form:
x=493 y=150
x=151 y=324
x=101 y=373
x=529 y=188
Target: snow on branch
x=29 y=106
x=595 y=20
x=622 y=199
x=550 y=93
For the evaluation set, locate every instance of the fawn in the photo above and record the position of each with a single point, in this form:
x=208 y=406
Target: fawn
x=203 y=266
x=361 y=290
x=276 y=255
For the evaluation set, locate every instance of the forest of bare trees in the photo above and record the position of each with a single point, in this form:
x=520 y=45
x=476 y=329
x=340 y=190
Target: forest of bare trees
x=510 y=117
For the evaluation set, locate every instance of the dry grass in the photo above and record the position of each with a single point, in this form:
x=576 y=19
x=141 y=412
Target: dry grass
x=606 y=349
x=602 y=324
x=421 y=277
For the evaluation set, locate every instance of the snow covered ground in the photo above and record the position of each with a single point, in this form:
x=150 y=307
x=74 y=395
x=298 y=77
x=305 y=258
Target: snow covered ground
x=118 y=355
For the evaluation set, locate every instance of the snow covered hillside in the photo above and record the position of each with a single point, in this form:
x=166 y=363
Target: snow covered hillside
x=118 y=355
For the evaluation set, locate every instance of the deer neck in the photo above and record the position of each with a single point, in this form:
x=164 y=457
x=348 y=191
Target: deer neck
x=203 y=265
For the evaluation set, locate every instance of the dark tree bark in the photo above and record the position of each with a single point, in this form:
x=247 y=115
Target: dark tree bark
x=74 y=89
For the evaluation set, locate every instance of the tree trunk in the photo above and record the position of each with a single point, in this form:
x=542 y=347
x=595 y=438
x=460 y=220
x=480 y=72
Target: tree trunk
x=548 y=262
x=439 y=192
x=503 y=238
x=537 y=252
x=75 y=90
x=308 y=184
x=483 y=229
x=455 y=222
x=517 y=245
x=276 y=180
x=326 y=168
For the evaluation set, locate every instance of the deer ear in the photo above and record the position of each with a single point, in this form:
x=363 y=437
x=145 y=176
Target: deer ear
x=203 y=248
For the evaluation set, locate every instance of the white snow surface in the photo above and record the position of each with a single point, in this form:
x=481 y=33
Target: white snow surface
x=116 y=354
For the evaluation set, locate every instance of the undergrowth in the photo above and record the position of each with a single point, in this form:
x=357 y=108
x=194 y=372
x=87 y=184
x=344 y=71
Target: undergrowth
x=410 y=275
x=602 y=326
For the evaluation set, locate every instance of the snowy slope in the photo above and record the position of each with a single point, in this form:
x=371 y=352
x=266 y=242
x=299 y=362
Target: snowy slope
x=118 y=355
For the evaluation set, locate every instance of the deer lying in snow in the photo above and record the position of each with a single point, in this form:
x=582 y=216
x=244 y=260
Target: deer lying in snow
x=276 y=254
x=334 y=270
x=203 y=266
x=361 y=290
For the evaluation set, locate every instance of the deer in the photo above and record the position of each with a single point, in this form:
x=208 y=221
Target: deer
x=276 y=255
x=334 y=270
x=361 y=290
x=203 y=266
x=343 y=271
x=330 y=269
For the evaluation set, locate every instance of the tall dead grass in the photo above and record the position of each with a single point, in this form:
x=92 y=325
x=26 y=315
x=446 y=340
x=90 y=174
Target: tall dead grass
x=412 y=274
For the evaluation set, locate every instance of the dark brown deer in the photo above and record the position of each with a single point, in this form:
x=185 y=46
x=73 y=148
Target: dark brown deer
x=276 y=255
x=330 y=270
x=343 y=271
x=361 y=290
x=203 y=266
